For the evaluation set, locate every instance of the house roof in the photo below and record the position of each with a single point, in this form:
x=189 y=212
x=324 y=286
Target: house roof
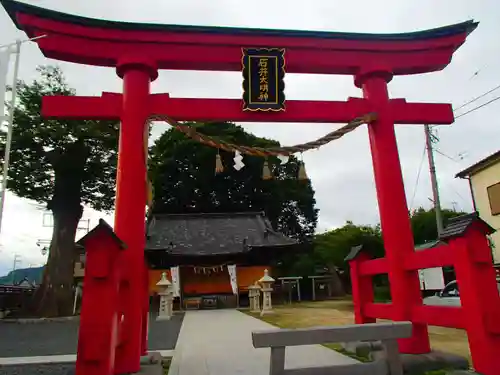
x=212 y=234
x=458 y=225
x=480 y=165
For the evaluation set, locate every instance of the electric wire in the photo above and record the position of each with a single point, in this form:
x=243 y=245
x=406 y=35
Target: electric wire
x=418 y=178
x=446 y=156
x=477 y=98
x=478 y=107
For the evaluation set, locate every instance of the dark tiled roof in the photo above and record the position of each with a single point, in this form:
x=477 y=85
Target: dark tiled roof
x=458 y=225
x=101 y=226
x=479 y=166
x=355 y=251
x=212 y=234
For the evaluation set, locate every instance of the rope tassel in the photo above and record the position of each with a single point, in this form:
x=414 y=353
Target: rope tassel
x=219 y=167
x=302 y=175
x=266 y=171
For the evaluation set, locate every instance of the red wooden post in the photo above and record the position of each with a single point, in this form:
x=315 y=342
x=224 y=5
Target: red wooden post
x=98 y=319
x=394 y=218
x=145 y=312
x=362 y=286
x=130 y=206
x=479 y=294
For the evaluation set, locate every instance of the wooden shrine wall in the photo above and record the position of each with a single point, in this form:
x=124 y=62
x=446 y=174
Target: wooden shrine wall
x=214 y=283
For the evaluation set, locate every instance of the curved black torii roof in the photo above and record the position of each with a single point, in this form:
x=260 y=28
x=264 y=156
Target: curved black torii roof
x=12 y=7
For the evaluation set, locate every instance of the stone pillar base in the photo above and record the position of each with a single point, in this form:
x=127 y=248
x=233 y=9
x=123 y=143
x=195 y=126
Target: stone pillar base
x=163 y=317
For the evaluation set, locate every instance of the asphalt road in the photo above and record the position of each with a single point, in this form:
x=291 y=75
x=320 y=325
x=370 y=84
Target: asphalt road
x=59 y=338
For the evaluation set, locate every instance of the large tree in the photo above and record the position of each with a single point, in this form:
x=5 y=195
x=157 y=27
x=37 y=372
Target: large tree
x=184 y=179
x=424 y=226
x=64 y=165
x=331 y=248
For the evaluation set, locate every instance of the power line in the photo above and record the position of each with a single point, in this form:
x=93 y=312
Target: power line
x=478 y=107
x=418 y=178
x=446 y=156
x=435 y=139
x=477 y=98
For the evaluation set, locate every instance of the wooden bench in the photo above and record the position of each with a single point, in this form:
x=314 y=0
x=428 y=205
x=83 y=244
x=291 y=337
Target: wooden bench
x=387 y=333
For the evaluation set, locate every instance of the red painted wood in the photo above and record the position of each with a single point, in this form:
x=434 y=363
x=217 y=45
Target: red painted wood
x=394 y=219
x=442 y=316
x=265 y=41
x=145 y=311
x=97 y=335
x=479 y=298
x=374 y=267
x=130 y=208
x=106 y=107
x=379 y=310
x=362 y=290
x=441 y=256
x=191 y=51
x=109 y=106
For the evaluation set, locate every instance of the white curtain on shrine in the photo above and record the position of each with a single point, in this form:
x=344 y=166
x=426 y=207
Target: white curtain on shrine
x=176 y=282
x=231 y=268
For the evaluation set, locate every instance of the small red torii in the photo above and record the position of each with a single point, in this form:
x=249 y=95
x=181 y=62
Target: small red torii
x=137 y=51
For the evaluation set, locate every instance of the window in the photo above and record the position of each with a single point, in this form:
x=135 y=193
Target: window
x=494 y=198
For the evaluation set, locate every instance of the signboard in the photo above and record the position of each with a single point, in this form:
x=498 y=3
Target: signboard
x=263 y=79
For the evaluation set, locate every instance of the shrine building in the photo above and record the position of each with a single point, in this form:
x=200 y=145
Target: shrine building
x=211 y=259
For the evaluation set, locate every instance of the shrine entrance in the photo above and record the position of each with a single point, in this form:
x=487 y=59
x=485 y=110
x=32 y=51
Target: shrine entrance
x=137 y=51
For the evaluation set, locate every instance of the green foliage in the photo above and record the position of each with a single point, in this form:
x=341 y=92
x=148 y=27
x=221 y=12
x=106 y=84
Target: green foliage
x=382 y=293
x=184 y=180
x=332 y=247
x=424 y=225
x=38 y=141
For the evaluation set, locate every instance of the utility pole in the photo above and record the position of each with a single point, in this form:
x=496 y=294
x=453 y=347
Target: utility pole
x=17 y=259
x=435 y=189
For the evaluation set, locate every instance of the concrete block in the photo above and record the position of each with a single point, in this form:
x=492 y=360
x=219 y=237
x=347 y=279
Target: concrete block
x=361 y=348
x=151 y=369
x=420 y=363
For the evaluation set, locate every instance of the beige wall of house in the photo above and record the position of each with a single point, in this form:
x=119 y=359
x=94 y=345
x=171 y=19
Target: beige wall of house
x=487 y=202
x=79 y=270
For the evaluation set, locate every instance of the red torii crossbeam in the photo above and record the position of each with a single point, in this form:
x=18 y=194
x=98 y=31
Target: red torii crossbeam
x=109 y=107
x=137 y=51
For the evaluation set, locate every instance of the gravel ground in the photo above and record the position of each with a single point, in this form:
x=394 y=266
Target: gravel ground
x=57 y=338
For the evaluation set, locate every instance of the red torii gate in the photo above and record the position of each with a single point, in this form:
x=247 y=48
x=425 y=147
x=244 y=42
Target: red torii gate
x=137 y=51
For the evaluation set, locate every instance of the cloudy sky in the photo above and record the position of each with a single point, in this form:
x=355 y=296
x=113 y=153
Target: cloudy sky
x=341 y=172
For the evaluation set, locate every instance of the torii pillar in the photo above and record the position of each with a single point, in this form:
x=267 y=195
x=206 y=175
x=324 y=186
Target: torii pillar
x=130 y=207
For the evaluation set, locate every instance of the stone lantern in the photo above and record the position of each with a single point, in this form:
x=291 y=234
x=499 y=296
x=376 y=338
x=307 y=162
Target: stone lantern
x=254 y=297
x=266 y=281
x=166 y=298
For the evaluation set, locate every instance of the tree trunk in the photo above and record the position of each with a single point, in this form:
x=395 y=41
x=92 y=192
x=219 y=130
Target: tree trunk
x=337 y=286
x=55 y=295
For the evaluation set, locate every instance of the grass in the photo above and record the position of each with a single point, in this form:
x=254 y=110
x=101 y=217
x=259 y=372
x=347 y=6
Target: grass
x=340 y=312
